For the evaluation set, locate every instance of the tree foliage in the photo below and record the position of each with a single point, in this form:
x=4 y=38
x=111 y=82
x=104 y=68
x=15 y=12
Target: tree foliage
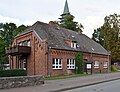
x=79 y=62
x=110 y=33
x=8 y=31
x=98 y=36
x=69 y=23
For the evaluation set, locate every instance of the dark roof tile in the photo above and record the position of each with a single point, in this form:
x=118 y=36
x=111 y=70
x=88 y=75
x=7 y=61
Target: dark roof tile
x=56 y=37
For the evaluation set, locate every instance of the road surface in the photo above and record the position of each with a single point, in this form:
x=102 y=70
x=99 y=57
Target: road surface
x=113 y=86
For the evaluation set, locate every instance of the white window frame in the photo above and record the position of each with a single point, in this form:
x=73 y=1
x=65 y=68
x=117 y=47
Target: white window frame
x=20 y=43
x=70 y=63
x=96 y=64
x=105 y=64
x=57 y=63
x=74 y=44
x=29 y=43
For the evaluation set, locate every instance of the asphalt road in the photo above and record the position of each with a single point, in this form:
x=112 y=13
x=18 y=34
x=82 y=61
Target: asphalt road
x=113 y=86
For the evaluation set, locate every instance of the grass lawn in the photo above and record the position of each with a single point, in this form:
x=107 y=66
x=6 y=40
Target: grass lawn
x=70 y=76
x=65 y=76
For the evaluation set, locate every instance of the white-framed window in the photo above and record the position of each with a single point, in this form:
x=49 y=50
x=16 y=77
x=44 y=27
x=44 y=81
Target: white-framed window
x=57 y=63
x=70 y=63
x=96 y=64
x=20 y=43
x=24 y=43
x=28 y=43
x=105 y=64
x=74 y=44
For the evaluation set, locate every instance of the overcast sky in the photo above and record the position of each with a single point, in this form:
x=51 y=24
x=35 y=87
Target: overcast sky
x=90 y=13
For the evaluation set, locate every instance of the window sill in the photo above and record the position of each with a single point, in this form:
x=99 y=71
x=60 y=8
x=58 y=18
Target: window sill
x=70 y=68
x=57 y=68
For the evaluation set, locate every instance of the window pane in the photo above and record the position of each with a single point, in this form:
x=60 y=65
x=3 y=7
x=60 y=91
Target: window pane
x=53 y=61
x=28 y=43
x=57 y=64
x=71 y=64
x=53 y=66
x=67 y=61
x=59 y=61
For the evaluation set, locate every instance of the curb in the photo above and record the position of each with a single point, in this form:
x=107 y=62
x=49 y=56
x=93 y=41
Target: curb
x=69 y=88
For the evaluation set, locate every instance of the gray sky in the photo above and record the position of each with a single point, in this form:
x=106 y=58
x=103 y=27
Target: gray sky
x=90 y=13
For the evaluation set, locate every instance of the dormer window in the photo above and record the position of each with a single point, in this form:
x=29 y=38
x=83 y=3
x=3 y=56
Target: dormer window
x=74 y=44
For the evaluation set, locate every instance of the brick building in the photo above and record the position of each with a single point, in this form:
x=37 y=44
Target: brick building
x=45 y=49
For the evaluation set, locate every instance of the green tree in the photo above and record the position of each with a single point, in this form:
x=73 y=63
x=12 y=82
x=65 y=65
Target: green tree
x=69 y=23
x=3 y=57
x=8 y=31
x=79 y=62
x=110 y=34
x=98 y=36
x=19 y=29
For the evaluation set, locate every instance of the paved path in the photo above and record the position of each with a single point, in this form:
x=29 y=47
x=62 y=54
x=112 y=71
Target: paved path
x=64 y=84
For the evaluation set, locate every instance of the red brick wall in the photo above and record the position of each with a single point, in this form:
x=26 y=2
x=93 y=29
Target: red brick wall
x=64 y=55
x=69 y=54
x=97 y=57
x=38 y=60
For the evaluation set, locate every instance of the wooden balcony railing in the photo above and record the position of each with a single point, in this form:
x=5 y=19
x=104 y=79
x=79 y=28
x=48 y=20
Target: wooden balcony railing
x=16 y=50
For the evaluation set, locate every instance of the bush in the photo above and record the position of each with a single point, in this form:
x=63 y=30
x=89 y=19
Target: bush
x=113 y=68
x=13 y=72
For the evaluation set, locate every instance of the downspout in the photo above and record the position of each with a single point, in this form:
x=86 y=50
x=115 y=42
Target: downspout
x=34 y=54
x=49 y=49
x=108 y=62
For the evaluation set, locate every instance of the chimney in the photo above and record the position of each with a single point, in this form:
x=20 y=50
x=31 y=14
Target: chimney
x=51 y=23
x=79 y=32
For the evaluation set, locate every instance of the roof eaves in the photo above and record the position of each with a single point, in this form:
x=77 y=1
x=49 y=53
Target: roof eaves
x=37 y=35
x=22 y=34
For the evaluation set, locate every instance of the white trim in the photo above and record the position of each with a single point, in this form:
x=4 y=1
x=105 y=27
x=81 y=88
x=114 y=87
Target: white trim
x=105 y=64
x=37 y=35
x=70 y=64
x=74 y=44
x=96 y=64
x=57 y=63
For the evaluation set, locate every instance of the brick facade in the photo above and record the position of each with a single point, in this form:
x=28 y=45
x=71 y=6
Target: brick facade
x=39 y=62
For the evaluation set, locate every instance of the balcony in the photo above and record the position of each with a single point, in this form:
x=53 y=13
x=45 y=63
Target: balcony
x=17 y=50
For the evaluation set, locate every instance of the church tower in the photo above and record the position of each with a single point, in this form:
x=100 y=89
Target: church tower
x=65 y=12
x=66 y=9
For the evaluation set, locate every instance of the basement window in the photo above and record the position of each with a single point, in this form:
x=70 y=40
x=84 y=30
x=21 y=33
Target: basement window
x=57 y=63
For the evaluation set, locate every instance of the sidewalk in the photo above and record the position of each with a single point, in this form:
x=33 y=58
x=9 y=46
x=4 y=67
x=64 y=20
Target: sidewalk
x=65 y=84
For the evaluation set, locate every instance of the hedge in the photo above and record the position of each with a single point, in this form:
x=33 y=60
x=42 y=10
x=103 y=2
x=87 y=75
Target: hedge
x=113 y=68
x=13 y=72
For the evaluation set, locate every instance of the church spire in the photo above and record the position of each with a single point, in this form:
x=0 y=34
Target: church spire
x=65 y=12
x=66 y=9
